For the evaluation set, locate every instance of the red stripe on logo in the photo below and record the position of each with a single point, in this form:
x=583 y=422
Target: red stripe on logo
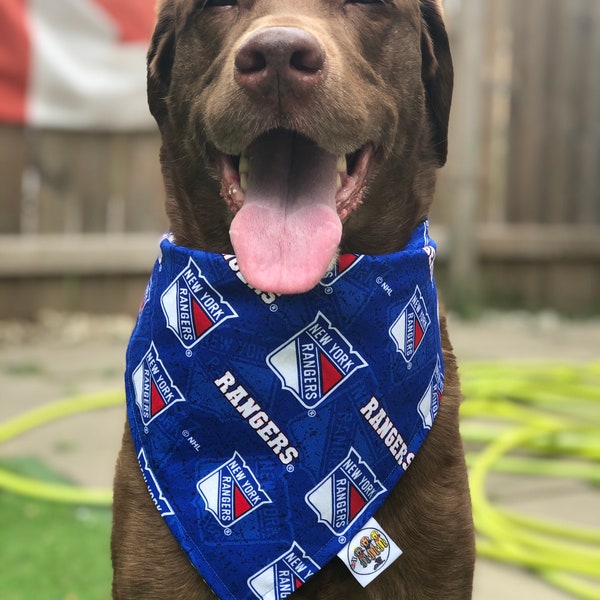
x=240 y=504
x=330 y=376
x=157 y=402
x=345 y=261
x=357 y=502
x=202 y=322
x=419 y=333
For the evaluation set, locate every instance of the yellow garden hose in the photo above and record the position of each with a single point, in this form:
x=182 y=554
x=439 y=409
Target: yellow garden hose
x=531 y=420
x=549 y=417
x=56 y=492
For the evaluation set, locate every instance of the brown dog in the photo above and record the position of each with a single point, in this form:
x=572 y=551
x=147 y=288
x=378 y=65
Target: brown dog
x=237 y=88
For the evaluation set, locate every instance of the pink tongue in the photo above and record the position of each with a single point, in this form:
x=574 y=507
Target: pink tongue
x=287 y=232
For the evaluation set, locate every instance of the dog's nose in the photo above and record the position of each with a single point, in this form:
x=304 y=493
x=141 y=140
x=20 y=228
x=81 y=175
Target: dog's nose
x=274 y=60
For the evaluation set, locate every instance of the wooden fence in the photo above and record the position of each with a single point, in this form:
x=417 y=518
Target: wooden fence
x=521 y=192
x=517 y=212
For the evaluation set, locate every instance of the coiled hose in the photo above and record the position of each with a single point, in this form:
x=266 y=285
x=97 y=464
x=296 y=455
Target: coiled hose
x=525 y=419
x=534 y=421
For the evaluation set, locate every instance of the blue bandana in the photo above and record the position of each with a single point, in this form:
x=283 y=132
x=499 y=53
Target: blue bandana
x=270 y=428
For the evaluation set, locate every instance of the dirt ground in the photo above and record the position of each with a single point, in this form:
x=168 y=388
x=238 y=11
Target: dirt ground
x=60 y=355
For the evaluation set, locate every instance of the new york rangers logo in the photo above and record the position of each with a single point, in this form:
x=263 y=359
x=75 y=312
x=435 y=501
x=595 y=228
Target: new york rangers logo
x=146 y=296
x=161 y=503
x=344 y=263
x=192 y=307
x=410 y=327
x=284 y=575
x=430 y=402
x=315 y=362
x=232 y=492
x=345 y=493
x=154 y=389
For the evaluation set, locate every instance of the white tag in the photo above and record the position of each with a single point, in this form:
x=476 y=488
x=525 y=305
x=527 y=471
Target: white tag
x=370 y=552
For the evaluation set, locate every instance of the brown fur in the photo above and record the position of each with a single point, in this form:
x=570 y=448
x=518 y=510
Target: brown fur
x=388 y=80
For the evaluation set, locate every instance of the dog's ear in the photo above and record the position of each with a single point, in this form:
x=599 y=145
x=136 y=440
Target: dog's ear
x=438 y=74
x=160 y=58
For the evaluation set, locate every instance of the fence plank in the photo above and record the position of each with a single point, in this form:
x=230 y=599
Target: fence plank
x=498 y=79
x=77 y=254
x=144 y=189
x=88 y=254
x=12 y=164
x=561 y=74
x=531 y=38
x=467 y=148
x=587 y=150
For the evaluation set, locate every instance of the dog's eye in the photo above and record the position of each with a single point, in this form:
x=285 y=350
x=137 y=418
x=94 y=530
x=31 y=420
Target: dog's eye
x=220 y=3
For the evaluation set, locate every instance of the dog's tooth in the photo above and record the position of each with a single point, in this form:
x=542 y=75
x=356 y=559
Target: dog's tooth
x=338 y=182
x=244 y=181
x=342 y=165
x=244 y=167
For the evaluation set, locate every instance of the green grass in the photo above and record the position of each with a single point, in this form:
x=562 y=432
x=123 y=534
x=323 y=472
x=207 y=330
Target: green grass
x=52 y=551
x=23 y=369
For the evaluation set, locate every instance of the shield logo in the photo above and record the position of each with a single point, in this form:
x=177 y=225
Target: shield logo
x=156 y=493
x=192 y=307
x=409 y=329
x=345 y=493
x=430 y=402
x=146 y=297
x=284 y=575
x=232 y=492
x=315 y=362
x=154 y=389
x=344 y=263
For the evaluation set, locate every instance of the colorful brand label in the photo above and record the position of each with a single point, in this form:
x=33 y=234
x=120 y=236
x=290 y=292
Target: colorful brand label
x=370 y=552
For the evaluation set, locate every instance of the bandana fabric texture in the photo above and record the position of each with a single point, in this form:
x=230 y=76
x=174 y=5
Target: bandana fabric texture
x=270 y=428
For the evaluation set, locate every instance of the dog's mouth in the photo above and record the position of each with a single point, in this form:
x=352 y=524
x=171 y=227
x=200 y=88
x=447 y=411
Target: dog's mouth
x=289 y=198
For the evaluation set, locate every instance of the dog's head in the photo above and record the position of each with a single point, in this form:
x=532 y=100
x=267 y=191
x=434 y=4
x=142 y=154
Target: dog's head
x=294 y=128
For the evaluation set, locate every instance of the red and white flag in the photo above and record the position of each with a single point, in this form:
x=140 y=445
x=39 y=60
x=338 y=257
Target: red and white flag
x=75 y=64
